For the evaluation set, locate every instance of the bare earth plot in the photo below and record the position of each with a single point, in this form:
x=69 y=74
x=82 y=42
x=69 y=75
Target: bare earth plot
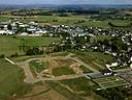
x=54 y=63
x=53 y=72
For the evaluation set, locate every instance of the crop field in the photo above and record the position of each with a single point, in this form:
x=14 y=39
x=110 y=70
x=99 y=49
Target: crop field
x=110 y=82
x=10 y=45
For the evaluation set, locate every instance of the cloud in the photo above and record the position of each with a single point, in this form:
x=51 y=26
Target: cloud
x=65 y=1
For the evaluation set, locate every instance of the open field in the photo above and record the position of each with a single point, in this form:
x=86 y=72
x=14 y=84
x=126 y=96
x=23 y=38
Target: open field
x=110 y=82
x=11 y=81
x=76 y=88
x=62 y=71
x=38 y=66
x=71 y=94
x=96 y=59
x=41 y=91
x=82 y=87
x=67 y=89
x=80 y=84
x=10 y=45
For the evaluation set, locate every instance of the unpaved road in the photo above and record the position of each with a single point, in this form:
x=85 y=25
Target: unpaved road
x=83 y=63
x=29 y=78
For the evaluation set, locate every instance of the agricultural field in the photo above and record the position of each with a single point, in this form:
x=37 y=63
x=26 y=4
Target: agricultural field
x=10 y=45
x=110 y=82
x=11 y=81
x=81 y=20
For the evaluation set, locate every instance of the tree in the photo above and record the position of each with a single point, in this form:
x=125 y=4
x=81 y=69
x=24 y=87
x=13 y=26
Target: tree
x=34 y=51
x=9 y=27
x=2 y=56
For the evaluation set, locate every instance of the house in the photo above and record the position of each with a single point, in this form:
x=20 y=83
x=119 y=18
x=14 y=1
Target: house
x=23 y=34
x=115 y=64
x=6 y=32
x=107 y=72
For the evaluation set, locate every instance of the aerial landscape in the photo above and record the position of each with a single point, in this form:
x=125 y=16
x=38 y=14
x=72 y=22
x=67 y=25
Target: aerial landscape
x=66 y=50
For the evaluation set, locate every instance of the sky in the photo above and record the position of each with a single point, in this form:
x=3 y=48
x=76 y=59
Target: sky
x=65 y=1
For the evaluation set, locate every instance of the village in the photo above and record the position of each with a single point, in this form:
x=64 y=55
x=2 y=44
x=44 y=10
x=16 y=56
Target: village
x=115 y=42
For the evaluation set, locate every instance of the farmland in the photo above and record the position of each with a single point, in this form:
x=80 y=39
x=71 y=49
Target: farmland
x=110 y=82
x=80 y=20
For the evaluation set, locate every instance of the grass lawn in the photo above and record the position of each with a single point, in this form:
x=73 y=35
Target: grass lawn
x=10 y=45
x=11 y=81
x=38 y=66
x=62 y=71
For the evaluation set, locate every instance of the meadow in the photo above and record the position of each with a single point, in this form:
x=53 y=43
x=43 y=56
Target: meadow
x=10 y=45
x=11 y=81
x=95 y=59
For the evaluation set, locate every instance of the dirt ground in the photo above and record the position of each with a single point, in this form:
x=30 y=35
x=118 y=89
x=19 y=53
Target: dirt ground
x=55 y=62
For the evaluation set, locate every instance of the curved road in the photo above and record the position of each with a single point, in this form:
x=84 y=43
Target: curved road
x=29 y=78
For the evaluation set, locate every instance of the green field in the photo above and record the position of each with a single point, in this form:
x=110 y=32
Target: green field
x=83 y=87
x=65 y=70
x=76 y=89
x=79 y=84
x=84 y=69
x=11 y=81
x=10 y=45
x=38 y=66
x=80 y=20
x=95 y=59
